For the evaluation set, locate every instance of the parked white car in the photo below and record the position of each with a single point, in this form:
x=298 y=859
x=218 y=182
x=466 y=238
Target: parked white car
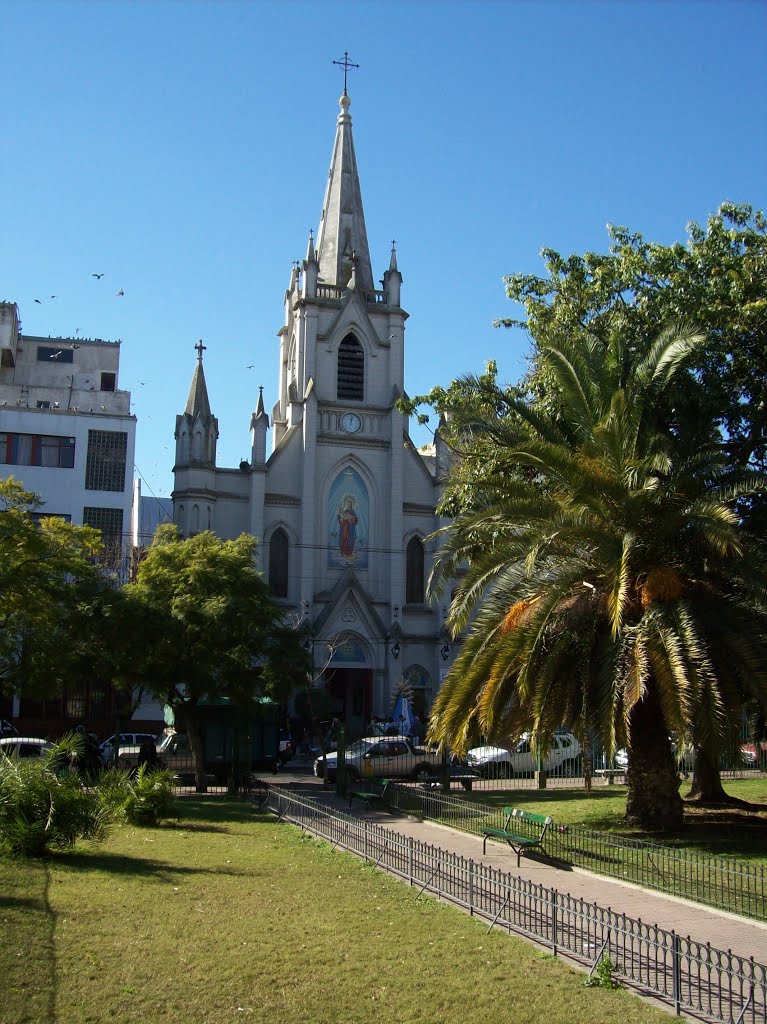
x=518 y=759
x=23 y=746
x=127 y=739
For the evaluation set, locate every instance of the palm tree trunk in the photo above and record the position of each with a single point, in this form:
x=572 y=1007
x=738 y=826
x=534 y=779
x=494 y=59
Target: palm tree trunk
x=653 y=801
x=706 y=780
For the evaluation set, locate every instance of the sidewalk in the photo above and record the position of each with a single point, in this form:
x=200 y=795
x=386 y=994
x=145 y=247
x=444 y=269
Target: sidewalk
x=724 y=931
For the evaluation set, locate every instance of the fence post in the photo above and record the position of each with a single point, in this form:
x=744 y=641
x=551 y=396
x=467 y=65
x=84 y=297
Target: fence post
x=365 y=843
x=410 y=859
x=676 y=972
x=554 y=922
x=471 y=888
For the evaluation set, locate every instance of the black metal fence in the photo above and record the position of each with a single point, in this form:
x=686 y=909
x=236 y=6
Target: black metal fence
x=719 y=882
x=693 y=977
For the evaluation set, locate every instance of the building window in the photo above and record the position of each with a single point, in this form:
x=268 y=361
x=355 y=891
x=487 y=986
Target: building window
x=108 y=520
x=414 y=572
x=279 y=549
x=46 y=354
x=108 y=381
x=105 y=466
x=37 y=450
x=351 y=369
x=37 y=516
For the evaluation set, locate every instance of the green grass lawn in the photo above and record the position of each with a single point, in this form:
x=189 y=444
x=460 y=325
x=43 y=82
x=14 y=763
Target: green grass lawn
x=233 y=917
x=737 y=833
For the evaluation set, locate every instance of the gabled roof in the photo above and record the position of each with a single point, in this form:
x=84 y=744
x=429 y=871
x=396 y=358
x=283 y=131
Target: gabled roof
x=346 y=590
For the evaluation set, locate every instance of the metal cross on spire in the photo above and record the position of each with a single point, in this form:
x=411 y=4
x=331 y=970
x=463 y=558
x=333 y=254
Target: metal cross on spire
x=345 y=64
x=200 y=348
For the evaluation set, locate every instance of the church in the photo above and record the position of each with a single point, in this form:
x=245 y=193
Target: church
x=344 y=502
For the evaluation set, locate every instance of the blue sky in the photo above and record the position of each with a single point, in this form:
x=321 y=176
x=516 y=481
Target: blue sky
x=181 y=149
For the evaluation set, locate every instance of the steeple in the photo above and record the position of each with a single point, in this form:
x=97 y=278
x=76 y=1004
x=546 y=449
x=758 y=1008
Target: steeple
x=197 y=403
x=392 y=279
x=197 y=427
x=342 y=226
x=259 y=424
x=311 y=270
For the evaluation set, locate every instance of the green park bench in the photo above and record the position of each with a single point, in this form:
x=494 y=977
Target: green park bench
x=369 y=796
x=517 y=840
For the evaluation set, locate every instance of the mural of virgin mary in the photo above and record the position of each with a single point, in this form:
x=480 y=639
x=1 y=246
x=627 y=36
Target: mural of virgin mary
x=347 y=529
x=348 y=514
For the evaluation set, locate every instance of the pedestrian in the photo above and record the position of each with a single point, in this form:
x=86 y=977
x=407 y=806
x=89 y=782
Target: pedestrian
x=148 y=754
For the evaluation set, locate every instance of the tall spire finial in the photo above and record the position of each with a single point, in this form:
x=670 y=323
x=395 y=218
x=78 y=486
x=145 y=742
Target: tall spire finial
x=345 y=64
x=200 y=348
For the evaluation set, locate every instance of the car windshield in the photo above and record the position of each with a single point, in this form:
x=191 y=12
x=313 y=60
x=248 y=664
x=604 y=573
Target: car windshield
x=360 y=747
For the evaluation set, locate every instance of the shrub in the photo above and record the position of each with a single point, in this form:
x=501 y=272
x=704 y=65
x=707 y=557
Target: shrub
x=43 y=805
x=143 y=798
x=603 y=975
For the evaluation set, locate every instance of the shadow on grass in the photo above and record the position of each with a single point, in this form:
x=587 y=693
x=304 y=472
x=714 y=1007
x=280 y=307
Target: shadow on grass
x=206 y=809
x=27 y=954
x=137 y=867
x=22 y=903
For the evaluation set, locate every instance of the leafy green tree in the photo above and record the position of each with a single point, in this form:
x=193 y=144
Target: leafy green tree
x=42 y=564
x=718 y=281
x=212 y=628
x=610 y=583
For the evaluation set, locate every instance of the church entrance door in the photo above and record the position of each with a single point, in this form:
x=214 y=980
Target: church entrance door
x=351 y=694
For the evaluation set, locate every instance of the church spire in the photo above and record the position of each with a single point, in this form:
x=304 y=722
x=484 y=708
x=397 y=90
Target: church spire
x=342 y=227
x=197 y=427
x=197 y=403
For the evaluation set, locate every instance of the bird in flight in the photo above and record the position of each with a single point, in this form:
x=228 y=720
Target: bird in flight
x=121 y=292
x=251 y=367
x=39 y=301
x=97 y=276
x=57 y=354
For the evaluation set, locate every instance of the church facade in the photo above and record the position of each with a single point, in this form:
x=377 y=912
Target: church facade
x=344 y=502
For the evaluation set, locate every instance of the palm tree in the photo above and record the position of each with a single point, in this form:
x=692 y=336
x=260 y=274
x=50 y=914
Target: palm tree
x=606 y=582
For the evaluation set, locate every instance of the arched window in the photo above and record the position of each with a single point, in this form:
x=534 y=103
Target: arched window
x=278 y=562
x=414 y=572
x=351 y=369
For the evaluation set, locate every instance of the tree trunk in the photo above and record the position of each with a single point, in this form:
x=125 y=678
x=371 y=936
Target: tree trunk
x=191 y=726
x=706 y=780
x=653 y=801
